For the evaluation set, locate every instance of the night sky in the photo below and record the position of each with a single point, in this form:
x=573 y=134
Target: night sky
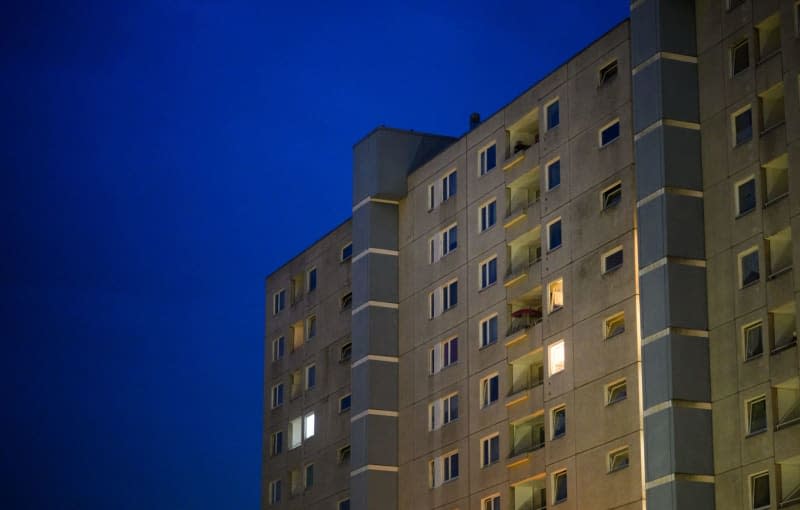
x=157 y=160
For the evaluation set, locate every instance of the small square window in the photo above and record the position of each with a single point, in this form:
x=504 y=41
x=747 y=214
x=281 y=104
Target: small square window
x=554 y=234
x=555 y=295
x=759 y=491
x=347 y=252
x=311 y=279
x=612 y=260
x=346 y=352
x=553 y=174
x=618 y=459
x=616 y=392
x=614 y=325
x=608 y=72
x=489 y=331
x=490 y=450
x=556 y=357
x=748 y=267
x=560 y=487
x=756 y=415
x=753 y=341
x=740 y=57
x=487 y=159
x=609 y=133
x=745 y=196
x=553 y=117
x=344 y=403
x=488 y=272
x=488 y=215
x=611 y=196
x=742 y=126
x=490 y=390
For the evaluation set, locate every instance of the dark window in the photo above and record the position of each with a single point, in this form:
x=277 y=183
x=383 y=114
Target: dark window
x=553 y=174
x=554 y=235
x=309 y=476
x=757 y=415
x=747 y=196
x=609 y=134
x=613 y=261
x=344 y=403
x=749 y=268
x=612 y=196
x=347 y=251
x=559 y=422
x=449 y=185
x=344 y=505
x=740 y=57
x=561 y=487
x=346 y=352
x=553 y=117
x=753 y=342
x=760 y=491
x=743 y=123
x=451 y=352
x=608 y=72
x=491 y=450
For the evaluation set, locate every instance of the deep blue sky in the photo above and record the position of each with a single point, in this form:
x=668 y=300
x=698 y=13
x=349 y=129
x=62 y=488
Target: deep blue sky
x=157 y=159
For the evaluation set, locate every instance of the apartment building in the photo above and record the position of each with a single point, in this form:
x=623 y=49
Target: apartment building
x=585 y=302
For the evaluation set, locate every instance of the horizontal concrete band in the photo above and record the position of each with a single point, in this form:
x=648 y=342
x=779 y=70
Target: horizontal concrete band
x=698 y=333
x=686 y=404
x=375 y=200
x=376 y=251
x=679 y=477
x=375 y=357
x=671 y=260
x=664 y=55
x=682 y=124
x=376 y=304
x=374 y=467
x=669 y=191
x=374 y=412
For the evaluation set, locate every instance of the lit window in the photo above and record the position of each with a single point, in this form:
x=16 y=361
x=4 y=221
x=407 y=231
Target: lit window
x=308 y=426
x=753 y=341
x=614 y=325
x=275 y=492
x=488 y=215
x=443 y=469
x=443 y=243
x=491 y=503
x=490 y=390
x=308 y=480
x=759 y=491
x=295 y=433
x=344 y=403
x=488 y=272
x=277 y=395
x=276 y=443
x=487 y=159
x=490 y=450
x=616 y=392
x=612 y=260
x=740 y=57
x=278 y=301
x=553 y=174
x=347 y=252
x=745 y=196
x=444 y=298
x=278 y=348
x=555 y=293
x=756 y=415
x=488 y=331
x=311 y=376
x=609 y=133
x=742 y=124
x=346 y=352
x=560 y=487
x=311 y=279
x=618 y=459
x=449 y=185
x=554 y=234
x=443 y=411
x=552 y=114
x=612 y=196
x=607 y=72
x=748 y=267
x=555 y=356
x=443 y=355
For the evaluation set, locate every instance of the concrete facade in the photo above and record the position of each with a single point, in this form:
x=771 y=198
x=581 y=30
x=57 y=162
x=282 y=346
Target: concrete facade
x=563 y=307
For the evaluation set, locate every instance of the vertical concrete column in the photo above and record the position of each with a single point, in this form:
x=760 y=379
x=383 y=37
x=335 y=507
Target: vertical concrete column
x=672 y=269
x=381 y=163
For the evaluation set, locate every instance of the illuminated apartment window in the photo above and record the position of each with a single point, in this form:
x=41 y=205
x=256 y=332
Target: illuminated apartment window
x=311 y=279
x=487 y=215
x=343 y=455
x=491 y=503
x=612 y=260
x=442 y=411
x=274 y=492
x=443 y=469
x=748 y=267
x=756 y=415
x=555 y=295
x=776 y=179
x=442 y=299
x=769 y=36
x=554 y=234
x=443 y=243
x=616 y=392
x=611 y=196
x=618 y=459
x=344 y=403
x=745 y=196
x=346 y=352
x=295 y=383
x=779 y=252
x=443 y=354
x=489 y=390
x=740 y=57
x=311 y=376
x=553 y=174
x=487 y=159
x=347 y=252
x=759 y=491
x=772 y=107
x=311 y=327
x=783 y=332
x=559 y=487
x=277 y=395
x=742 y=126
x=278 y=348
x=295 y=433
x=490 y=450
x=308 y=476
x=608 y=72
x=488 y=331
x=278 y=301
x=753 y=341
x=555 y=357
x=552 y=115
x=488 y=272
x=608 y=133
x=295 y=482
x=614 y=325
x=308 y=425
x=276 y=443
x=559 y=420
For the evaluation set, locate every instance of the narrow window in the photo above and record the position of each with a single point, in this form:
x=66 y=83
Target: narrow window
x=278 y=348
x=311 y=279
x=311 y=376
x=490 y=390
x=616 y=392
x=344 y=504
x=612 y=260
x=347 y=252
x=308 y=481
x=431 y=197
x=344 y=454
x=489 y=331
x=560 y=487
x=748 y=267
x=276 y=443
x=614 y=325
x=450 y=467
x=552 y=115
x=274 y=492
x=742 y=126
x=759 y=491
x=753 y=341
x=277 y=395
x=450 y=292
x=491 y=503
x=740 y=57
x=607 y=72
x=559 y=422
x=745 y=196
x=554 y=234
x=490 y=450
x=295 y=433
x=311 y=327
x=449 y=184
x=278 y=301
x=756 y=415
x=346 y=352
x=553 y=174
x=555 y=292
x=611 y=196
x=488 y=215
x=346 y=301
x=487 y=159
x=555 y=355
x=344 y=403
x=618 y=459
x=488 y=272
x=609 y=133
x=308 y=425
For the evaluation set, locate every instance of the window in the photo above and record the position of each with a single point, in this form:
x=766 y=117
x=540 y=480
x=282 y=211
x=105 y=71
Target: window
x=753 y=341
x=347 y=301
x=555 y=293
x=278 y=348
x=308 y=425
x=295 y=482
x=344 y=504
x=278 y=301
x=612 y=196
x=347 y=252
x=311 y=279
x=748 y=267
x=295 y=433
x=756 y=415
x=274 y=492
x=311 y=376
x=449 y=185
x=344 y=403
x=553 y=174
x=344 y=454
x=276 y=443
x=618 y=459
x=443 y=469
x=552 y=115
x=488 y=272
x=490 y=450
x=431 y=197
x=488 y=331
x=759 y=491
x=734 y=3
x=277 y=395
x=616 y=392
x=614 y=325
x=560 y=487
x=607 y=72
x=346 y=352
x=490 y=390
x=491 y=503
x=742 y=126
x=311 y=327
x=487 y=159
x=745 y=196
x=555 y=357
x=443 y=355
x=740 y=57
x=488 y=215
x=554 y=234
x=612 y=260
x=609 y=133
x=442 y=411
x=768 y=33
x=296 y=383
x=308 y=478
x=443 y=243
x=772 y=107
x=444 y=298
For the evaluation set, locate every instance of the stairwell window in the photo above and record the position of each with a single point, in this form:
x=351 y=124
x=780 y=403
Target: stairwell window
x=552 y=114
x=554 y=234
x=753 y=341
x=488 y=272
x=490 y=450
x=553 y=175
x=749 y=272
x=489 y=390
x=608 y=133
x=740 y=57
x=756 y=415
x=487 y=159
x=745 y=196
x=444 y=298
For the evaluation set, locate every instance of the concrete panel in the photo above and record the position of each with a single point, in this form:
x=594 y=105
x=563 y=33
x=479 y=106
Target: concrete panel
x=375 y=226
x=681 y=495
x=375 y=279
x=374 y=440
x=654 y=297
x=374 y=332
x=668 y=156
x=678 y=440
x=679 y=88
x=645 y=31
x=685 y=236
x=375 y=385
x=652 y=234
x=687 y=301
x=676 y=367
x=374 y=490
x=647 y=93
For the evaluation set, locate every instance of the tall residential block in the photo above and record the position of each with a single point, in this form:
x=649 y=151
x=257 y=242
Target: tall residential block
x=585 y=302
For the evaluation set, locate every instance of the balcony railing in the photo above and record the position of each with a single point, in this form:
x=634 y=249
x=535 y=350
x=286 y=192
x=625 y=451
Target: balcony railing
x=534 y=256
x=532 y=317
x=531 y=381
x=515 y=208
x=527 y=448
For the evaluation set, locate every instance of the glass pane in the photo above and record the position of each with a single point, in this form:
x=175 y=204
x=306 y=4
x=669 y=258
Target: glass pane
x=761 y=491
x=552 y=115
x=610 y=134
x=554 y=175
x=754 y=345
x=555 y=235
x=491 y=157
x=747 y=196
x=741 y=60
x=758 y=416
x=750 y=272
x=744 y=127
x=561 y=487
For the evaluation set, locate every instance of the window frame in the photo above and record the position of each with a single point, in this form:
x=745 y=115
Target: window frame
x=441 y=245
x=275 y=490
x=616 y=453
x=737 y=199
x=746 y=339
x=548 y=185
x=441 y=299
x=491 y=502
x=732 y=53
x=310 y=333
x=309 y=430
x=556 y=476
x=308 y=481
x=740 y=258
x=604 y=267
x=483 y=158
x=485 y=330
x=483 y=214
x=553 y=366
x=749 y=406
x=279 y=301
x=605 y=70
x=485 y=272
x=485 y=390
x=442 y=411
x=277 y=396
x=603 y=129
x=342 y=256
x=310 y=373
x=343 y=454
x=278 y=348
x=342 y=399
x=449 y=189
x=607 y=323
x=342 y=349
x=552 y=307
x=276 y=443
x=550 y=247
x=487 y=451
x=741 y=111
x=615 y=190
x=752 y=482
x=340 y=505
x=611 y=399
x=309 y=272
x=546 y=110
x=443 y=355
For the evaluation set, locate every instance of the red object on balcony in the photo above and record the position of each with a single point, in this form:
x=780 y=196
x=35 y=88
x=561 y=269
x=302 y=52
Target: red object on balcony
x=526 y=312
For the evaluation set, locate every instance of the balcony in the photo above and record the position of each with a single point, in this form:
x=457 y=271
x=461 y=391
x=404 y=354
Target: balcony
x=523 y=253
x=526 y=372
x=525 y=312
x=789 y=487
x=521 y=136
x=529 y=495
x=521 y=194
x=527 y=435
